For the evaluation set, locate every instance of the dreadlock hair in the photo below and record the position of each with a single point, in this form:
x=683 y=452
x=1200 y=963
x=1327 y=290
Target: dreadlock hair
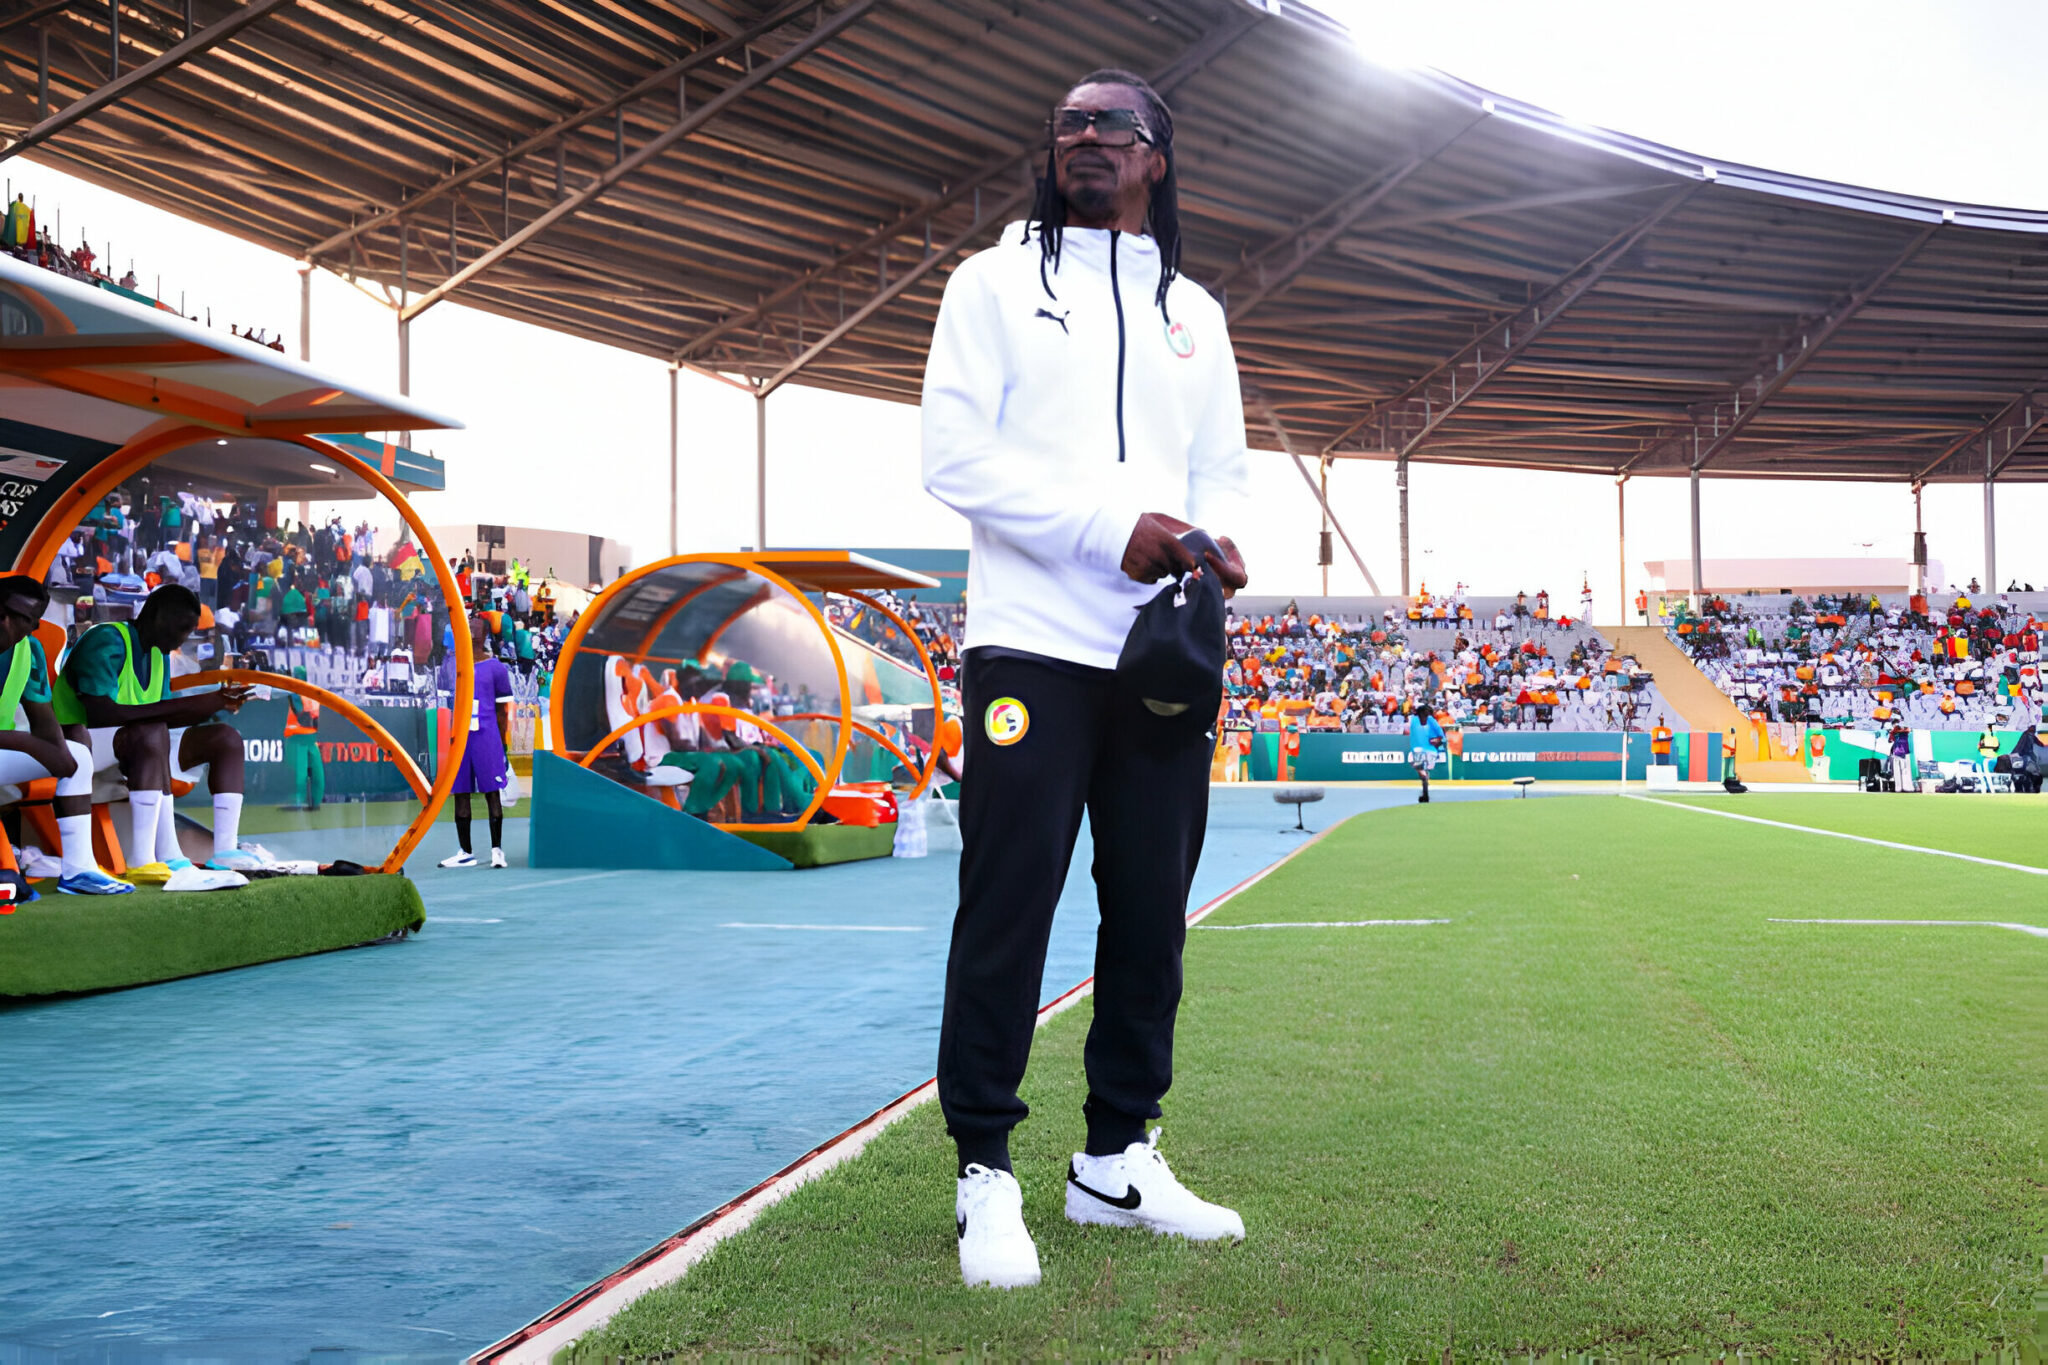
x=1162 y=216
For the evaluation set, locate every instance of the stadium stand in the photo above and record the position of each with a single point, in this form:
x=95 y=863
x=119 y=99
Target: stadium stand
x=1872 y=661
x=1487 y=663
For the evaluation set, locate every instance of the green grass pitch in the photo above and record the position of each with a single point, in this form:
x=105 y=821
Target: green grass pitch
x=1609 y=1107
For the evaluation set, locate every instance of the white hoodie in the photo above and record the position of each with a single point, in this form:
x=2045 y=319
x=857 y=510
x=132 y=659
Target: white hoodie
x=1053 y=421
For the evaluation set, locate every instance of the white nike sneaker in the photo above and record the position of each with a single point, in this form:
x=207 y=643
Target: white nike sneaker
x=498 y=858
x=459 y=858
x=995 y=1247
x=190 y=878
x=1134 y=1189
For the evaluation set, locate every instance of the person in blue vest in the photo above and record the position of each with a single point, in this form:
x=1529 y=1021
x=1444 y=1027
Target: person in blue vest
x=1425 y=746
x=32 y=743
x=113 y=694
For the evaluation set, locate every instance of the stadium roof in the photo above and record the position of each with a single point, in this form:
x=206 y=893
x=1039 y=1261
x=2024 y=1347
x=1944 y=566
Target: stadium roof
x=1412 y=266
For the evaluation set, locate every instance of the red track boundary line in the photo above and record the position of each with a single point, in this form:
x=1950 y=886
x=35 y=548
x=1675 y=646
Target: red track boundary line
x=707 y=1231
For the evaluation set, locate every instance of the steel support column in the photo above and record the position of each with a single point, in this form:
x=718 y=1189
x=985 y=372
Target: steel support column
x=761 y=471
x=675 y=468
x=1698 y=574
x=1621 y=544
x=826 y=30
x=1990 y=523
x=404 y=323
x=1919 y=556
x=306 y=312
x=116 y=89
x=1401 y=485
x=1323 y=534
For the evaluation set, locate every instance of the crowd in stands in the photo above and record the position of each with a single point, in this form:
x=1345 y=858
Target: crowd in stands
x=1872 y=660
x=1501 y=665
x=939 y=626
x=1493 y=664
x=23 y=238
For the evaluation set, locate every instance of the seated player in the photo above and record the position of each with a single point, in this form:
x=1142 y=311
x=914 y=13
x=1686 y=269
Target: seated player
x=700 y=747
x=32 y=743
x=773 y=780
x=485 y=765
x=113 y=694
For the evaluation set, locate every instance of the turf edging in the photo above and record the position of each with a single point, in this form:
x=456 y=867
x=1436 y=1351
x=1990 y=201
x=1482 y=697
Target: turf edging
x=67 y=944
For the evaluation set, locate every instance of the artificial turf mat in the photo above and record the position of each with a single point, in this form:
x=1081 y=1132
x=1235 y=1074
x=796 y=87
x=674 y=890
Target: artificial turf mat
x=1609 y=1107
x=62 y=944
x=824 y=845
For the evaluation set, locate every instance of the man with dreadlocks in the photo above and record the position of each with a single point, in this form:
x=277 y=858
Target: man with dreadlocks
x=1081 y=410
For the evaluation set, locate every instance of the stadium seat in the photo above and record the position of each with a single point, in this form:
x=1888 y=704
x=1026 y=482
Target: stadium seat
x=628 y=689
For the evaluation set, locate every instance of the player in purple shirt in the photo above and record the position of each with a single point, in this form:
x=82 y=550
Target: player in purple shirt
x=485 y=768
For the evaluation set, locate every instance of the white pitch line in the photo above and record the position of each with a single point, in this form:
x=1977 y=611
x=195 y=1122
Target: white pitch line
x=1322 y=924
x=488 y=889
x=835 y=928
x=1853 y=838
x=2036 y=930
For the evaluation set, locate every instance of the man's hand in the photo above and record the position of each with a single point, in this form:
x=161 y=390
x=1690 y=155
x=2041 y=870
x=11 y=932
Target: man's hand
x=1155 y=551
x=232 y=695
x=1230 y=569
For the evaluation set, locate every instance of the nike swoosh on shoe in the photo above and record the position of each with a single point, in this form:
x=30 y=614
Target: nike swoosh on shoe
x=1130 y=1198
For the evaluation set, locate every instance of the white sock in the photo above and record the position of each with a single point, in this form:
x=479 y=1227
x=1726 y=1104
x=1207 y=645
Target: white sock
x=227 y=822
x=75 y=832
x=142 y=808
x=167 y=830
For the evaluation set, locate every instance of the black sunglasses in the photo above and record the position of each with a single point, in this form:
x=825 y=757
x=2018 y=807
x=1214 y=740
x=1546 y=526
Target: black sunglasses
x=1113 y=127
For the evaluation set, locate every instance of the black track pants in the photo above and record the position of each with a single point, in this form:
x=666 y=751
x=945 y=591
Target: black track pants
x=1145 y=787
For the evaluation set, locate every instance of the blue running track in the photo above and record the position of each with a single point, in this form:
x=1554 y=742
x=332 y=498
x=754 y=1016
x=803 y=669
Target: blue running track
x=406 y=1151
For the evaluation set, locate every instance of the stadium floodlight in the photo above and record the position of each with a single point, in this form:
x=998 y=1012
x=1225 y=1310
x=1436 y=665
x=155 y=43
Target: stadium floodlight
x=323 y=468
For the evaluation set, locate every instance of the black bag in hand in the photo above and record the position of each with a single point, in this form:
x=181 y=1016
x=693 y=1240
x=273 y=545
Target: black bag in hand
x=1173 y=658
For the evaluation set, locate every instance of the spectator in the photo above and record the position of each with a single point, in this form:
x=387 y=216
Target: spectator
x=1902 y=759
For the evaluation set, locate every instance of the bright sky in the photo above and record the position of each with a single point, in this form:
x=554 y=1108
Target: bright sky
x=1938 y=100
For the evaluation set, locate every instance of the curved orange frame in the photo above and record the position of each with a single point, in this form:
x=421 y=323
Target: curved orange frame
x=931 y=675
x=700 y=708
x=354 y=714
x=574 y=644
x=103 y=478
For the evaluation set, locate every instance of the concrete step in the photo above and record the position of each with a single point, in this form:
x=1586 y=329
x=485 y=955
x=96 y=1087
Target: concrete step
x=1700 y=704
